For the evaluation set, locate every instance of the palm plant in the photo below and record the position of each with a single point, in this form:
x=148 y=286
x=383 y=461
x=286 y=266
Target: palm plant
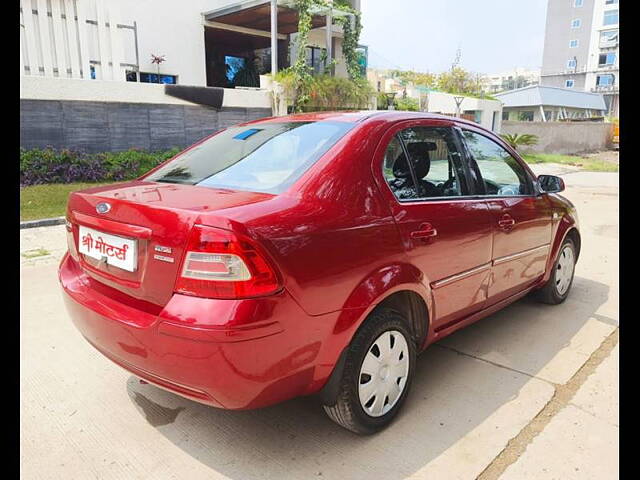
x=517 y=139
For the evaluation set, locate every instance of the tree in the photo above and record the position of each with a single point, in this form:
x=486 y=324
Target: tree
x=458 y=80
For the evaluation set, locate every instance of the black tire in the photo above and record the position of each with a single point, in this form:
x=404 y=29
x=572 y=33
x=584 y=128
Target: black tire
x=346 y=409
x=549 y=292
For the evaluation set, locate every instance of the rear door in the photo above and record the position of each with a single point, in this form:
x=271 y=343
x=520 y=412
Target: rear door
x=446 y=234
x=520 y=219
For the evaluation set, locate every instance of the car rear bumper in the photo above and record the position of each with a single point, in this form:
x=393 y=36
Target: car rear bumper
x=234 y=354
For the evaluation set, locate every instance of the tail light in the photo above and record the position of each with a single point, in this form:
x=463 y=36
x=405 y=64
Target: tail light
x=221 y=264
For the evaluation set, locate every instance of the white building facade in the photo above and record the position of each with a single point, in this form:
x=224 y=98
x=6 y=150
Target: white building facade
x=581 y=49
x=200 y=40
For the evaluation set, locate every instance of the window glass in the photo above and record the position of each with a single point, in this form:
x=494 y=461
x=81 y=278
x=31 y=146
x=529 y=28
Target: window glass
x=573 y=43
x=609 y=39
x=502 y=174
x=571 y=63
x=606 y=59
x=569 y=83
x=610 y=17
x=264 y=157
x=604 y=80
x=577 y=3
x=576 y=23
x=434 y=162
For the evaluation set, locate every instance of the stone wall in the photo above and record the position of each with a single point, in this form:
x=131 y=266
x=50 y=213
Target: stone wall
x=115 y=126
x=564 y=137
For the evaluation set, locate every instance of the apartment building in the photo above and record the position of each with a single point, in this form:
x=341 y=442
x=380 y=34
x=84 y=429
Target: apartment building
x=581 y=48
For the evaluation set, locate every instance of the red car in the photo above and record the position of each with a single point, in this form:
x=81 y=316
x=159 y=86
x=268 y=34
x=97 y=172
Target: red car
x=313 y=254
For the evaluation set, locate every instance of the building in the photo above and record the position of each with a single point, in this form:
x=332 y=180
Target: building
x=89 y=80
x=537 y=103
x=510 y=80
x=203 y=42
x=581 y=48
x=487 y=113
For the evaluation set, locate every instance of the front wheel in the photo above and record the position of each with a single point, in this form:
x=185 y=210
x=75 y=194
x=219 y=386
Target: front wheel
x=377 y=374
x=557 y=288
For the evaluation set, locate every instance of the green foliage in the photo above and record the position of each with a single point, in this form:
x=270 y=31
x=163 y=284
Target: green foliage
x=458 y=80
x=407 y=103
x=406 y=77
x=298 y=80
x=518 y=139
x=40 y=166
x=350 y=43
x=332 y=93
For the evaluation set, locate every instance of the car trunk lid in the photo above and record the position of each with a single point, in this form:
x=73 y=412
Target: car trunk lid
x=154 y=220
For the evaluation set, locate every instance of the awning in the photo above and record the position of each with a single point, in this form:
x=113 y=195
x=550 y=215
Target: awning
x=256 y=15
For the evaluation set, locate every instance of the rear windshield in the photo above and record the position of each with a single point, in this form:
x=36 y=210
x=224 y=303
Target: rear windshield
x=262 y=158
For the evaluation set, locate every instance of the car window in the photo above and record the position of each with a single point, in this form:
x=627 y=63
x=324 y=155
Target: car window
x=262 y=157
x=434 y=163
x=501 y=173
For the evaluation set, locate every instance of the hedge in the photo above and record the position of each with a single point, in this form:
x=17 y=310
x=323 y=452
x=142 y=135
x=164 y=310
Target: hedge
x=41 y=166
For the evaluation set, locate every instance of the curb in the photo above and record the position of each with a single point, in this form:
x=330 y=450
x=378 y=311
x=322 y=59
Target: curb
x=45 y=222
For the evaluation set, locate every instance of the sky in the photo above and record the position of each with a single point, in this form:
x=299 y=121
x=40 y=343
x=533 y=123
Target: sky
x=494 y=36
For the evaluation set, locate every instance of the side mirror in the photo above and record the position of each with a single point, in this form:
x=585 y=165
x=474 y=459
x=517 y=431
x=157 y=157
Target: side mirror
x=550 y=183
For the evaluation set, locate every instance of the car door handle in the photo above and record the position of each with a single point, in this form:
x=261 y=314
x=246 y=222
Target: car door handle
x=506 y=222
x=426 y=230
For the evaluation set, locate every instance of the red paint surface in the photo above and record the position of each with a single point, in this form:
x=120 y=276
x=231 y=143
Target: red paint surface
x=341 y=243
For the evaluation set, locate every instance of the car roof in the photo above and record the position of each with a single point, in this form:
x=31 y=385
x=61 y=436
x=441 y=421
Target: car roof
x=359 y=116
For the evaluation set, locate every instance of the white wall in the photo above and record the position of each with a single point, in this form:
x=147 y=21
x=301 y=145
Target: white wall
x=47 y=88
x=444 y=103
x=165 y=27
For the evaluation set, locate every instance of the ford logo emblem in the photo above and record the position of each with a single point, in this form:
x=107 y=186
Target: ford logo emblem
x=103 y=207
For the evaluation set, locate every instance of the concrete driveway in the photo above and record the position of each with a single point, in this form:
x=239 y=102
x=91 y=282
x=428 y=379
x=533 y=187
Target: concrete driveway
x=530 y=392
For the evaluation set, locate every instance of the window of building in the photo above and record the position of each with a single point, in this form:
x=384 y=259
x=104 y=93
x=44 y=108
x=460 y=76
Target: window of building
x=571 y=63
x=315 y=56
x=605 y=59
x=525 y=116
x=576 y=23
x=505 y=115
x=608 y=38
x=610 y=17
x=501 y=173
x=573 y=43
x=611 y=2
x=578 y=3
x=605 y=80
x=569 y=83
x=146 y=77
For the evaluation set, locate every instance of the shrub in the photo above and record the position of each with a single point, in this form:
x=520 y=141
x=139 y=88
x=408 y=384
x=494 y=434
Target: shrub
x=517 y=139
x=41 y=166
x=408 y=103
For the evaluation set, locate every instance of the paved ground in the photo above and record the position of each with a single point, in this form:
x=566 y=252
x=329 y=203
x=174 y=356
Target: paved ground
x=528 y=393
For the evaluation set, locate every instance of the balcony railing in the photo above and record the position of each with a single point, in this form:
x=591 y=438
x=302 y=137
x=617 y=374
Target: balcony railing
x=605 y=89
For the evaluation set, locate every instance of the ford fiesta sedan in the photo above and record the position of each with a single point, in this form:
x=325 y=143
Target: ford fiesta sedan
x=313 y=254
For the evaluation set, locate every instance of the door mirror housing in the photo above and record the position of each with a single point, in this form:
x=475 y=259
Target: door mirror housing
x=550 y=183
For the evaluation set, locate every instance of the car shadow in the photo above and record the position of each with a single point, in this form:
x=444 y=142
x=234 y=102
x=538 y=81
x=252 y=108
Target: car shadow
x=452 y=395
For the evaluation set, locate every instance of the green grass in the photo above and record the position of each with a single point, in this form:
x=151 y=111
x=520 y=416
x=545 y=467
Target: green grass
x=46 y=201
x=587 y=164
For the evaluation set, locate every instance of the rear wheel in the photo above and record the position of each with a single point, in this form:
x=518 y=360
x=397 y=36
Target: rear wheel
x=377 y=374
x=557 y=288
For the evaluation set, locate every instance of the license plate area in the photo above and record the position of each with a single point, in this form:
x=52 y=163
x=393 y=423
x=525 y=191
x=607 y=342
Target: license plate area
x=108 y=249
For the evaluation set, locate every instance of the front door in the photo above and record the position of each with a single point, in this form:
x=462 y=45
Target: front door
x=446 y=234
x=521 y=219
